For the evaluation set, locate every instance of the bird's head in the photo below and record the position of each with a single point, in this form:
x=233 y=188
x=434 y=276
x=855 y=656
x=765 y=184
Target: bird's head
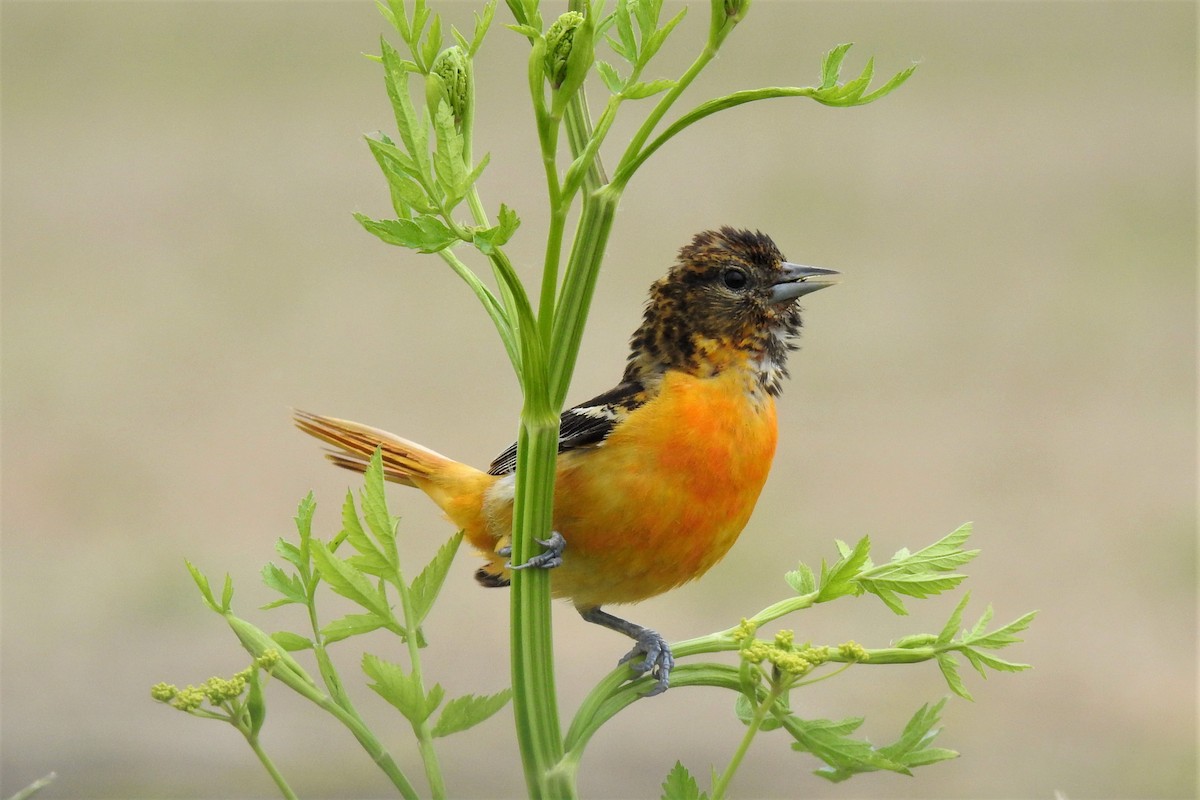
x=729 y=299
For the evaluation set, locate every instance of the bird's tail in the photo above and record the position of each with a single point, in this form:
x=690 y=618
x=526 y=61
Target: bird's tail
x=403 y=461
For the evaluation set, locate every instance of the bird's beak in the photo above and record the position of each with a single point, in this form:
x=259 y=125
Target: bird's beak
x=796 y=280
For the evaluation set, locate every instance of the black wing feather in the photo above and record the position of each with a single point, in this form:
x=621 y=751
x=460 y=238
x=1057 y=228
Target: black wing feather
x=588 y=423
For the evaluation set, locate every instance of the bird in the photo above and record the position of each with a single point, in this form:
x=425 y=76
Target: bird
x=656 y=478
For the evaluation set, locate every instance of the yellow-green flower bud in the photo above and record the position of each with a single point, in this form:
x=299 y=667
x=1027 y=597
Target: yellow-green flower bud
x=268 y=659
x=449 y=79
x=785 y=639
x=853 y=651
x=744 y=632
x=188 y=698
x=163 y=692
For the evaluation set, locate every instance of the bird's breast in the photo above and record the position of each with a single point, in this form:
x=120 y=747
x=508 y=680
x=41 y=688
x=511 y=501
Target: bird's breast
x=664 y=497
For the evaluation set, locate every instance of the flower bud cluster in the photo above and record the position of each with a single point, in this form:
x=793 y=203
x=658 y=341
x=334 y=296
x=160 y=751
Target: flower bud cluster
x=216 y=690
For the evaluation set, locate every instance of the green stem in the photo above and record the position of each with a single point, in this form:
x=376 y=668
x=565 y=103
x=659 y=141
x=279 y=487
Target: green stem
x=269 y=765
x=630 y=161
x=423 y=732
x=760 y=714
x=535 y=703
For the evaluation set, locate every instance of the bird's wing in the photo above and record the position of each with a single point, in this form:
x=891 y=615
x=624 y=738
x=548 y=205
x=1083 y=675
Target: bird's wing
x=586 y=424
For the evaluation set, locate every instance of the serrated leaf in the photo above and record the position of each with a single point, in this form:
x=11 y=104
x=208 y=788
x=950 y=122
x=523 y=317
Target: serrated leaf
x=802 y=579
x=406 y=192
x=304 y=515
x=289 y=586
x=448 y=163
x=608 y=74
x=369 y=558
x=433 y=41
x=910 y=749
x=349 y=582
x=828 y=741
x=468 y=711
x=425 y=234
x=1004 y=635
x=889 y=87
x=831 y=66
x=652 y=43
x=409 y=125
x=401 y=689
x=426 y=586
x=351 y=625
x=745 y=711
x=624 y=20
x=201 y=582
x=375 y=511
x=497 y=235
x=481 y=26
x=949 y=668
x=839 y=580
x=640 y=90
x=951 y=627
x=525 y=30
x=227 y=593
x=292 y=642
x=680 y=785
x=290 y=553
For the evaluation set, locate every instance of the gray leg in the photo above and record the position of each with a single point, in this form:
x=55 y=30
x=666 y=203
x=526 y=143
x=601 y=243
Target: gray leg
x=658 y=660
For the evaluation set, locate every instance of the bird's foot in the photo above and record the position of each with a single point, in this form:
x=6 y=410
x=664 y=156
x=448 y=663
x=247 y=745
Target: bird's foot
x=549 y=558
x=656 y=659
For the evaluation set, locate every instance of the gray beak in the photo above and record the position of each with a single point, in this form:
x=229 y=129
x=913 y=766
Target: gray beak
x=797 y=280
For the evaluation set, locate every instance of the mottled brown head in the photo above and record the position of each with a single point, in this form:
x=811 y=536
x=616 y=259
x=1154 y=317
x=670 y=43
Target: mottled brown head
x=729 y=302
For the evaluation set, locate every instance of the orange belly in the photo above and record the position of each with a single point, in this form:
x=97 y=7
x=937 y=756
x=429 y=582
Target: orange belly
x=666 y=495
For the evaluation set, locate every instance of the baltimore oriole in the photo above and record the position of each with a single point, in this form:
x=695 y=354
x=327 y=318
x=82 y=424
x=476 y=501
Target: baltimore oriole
x=656 y=477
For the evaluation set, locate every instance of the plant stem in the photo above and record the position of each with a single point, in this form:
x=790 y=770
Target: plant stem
x=535 y=703
x=269 y=765
x=760 y=714
x=422 y=730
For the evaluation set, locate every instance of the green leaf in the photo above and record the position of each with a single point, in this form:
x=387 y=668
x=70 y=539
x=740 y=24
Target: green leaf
x=304 y=515
x=481 y=26
x=352 y=625
x=802 y=579
x=401 y=689
x=448 y=162
x=640 y=90
x=910 y=750
x=744 y=709
x=227 y=593
x=374 y=507
x=433 y=42
x=256 y=702
x=468 y=711
x=426 y=586
x=498 y=235
x=651 y=44
x=202 y=584
x=893 y=83
x=425 y=234
x=951 y=626
x=680 y=785
x=292 y=642
x=1003 y=636
x=949 y=668
x=525 y=30
x=828 y=741
x=831 y=65
x=290 y=553
x=406 y=192
x=289 y=586
x=608 y=74
x=411 y=128
x=839 y=580
x=349 y=582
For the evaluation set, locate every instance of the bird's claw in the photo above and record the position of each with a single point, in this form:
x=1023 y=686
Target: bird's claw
x=549 y=558
x=656 y=659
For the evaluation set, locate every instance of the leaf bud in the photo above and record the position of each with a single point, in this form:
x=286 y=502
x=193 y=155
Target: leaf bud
x=449 y=79
x=569 y=55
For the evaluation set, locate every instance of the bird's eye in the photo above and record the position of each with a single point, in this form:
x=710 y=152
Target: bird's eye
x=734 y=278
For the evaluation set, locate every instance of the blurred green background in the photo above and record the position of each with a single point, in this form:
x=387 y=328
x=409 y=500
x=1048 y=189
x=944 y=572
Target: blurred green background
x=1014 y=343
